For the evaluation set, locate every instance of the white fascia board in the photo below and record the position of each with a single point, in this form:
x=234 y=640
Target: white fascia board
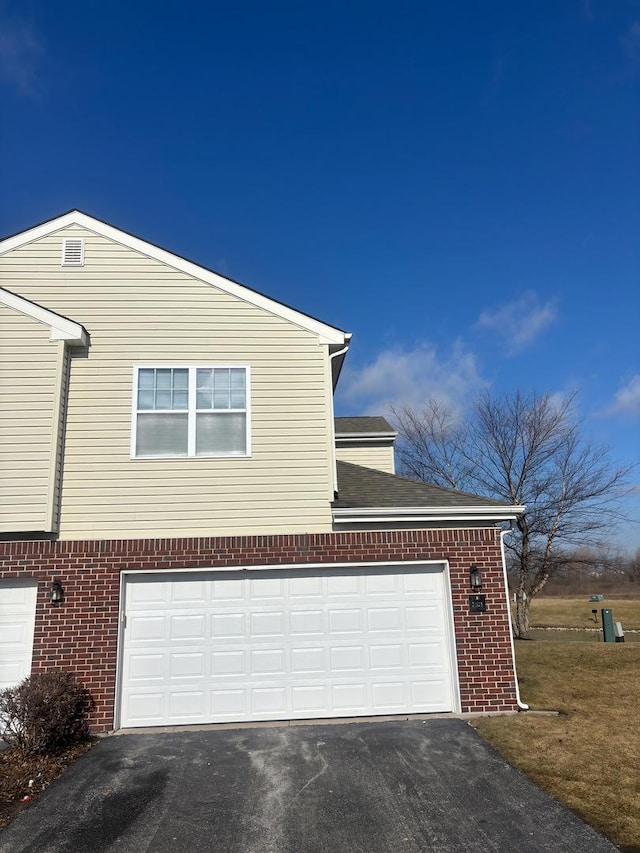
x=326 y=334
x=61 y=328
x=357 y=515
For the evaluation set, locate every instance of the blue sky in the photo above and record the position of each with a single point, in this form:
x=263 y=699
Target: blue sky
x=458 y=184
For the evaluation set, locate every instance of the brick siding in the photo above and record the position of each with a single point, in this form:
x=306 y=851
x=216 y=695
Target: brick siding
x=81 y=634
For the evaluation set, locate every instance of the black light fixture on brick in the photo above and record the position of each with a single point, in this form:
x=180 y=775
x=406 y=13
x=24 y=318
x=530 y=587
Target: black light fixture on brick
x=475 y=578
x=56 y=595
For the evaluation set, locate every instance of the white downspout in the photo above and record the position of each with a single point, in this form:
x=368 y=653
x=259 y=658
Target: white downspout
x=332 y=424
x=521 y=705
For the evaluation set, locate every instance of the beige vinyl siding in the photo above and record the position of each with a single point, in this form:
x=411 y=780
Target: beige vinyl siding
x=28 y=370
x=139 y=311
x=368 y=455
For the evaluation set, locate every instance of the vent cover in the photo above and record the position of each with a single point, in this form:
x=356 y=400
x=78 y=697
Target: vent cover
x=72 y=253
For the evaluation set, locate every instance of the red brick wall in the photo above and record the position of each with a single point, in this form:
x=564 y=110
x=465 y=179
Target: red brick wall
x=81 y=634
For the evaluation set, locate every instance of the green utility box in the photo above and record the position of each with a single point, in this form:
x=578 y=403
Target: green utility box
x=608 y=634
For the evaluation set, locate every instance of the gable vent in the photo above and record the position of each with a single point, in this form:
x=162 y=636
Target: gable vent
x=72 y=253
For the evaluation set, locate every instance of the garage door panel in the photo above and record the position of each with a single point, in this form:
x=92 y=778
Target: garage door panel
x=265 y=589
x=228 y=705
x=349 y=698
x=187 y=665
x=268 y=624
x=285 y=645
x=227 y=663
x=428 y=619
x=228 y=625
x=147 y=629
x=389 y=656
x=146 y=592
x=146 y=668
x=307 y=622
x=271 y=701
x=343 y=586
x=188 y=706
x=187 y=627
x=228 y=590
x=430 y=694
x=346 y=621
x=384 y=619
x=306 y=587
x=309 y=700
x=17 y=623
x=308 y=660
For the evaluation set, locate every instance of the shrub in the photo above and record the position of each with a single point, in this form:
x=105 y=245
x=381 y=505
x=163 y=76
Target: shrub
x=45 y=713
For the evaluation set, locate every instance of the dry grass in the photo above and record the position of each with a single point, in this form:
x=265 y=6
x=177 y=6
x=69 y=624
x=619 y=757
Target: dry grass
x=588 y=757
x=576 y=612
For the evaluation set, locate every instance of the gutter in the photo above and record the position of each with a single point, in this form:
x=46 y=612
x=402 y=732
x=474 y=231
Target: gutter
x=363 y=515
x=366 y=436
x=521 y=705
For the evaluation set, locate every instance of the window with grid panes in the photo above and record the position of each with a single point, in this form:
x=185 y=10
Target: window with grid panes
x=191 y=411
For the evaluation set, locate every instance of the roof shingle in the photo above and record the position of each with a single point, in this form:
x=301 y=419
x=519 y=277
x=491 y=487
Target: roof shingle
x=366 y=487
x=362 y=424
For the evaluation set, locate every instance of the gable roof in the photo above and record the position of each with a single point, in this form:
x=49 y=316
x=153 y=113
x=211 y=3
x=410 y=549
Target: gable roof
x=363 y=426
x=365 y=494
x=334 y=337
x=62 y=329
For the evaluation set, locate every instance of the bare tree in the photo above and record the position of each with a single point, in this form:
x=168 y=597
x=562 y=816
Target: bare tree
x=523 y=449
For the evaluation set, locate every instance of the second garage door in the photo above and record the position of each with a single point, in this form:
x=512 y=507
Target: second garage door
x=17 y=620
x=282 y=644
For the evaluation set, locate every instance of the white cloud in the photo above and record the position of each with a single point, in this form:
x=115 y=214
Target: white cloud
x=519 y=322
x=627 y=399
x=20 y=52
x=398 y=377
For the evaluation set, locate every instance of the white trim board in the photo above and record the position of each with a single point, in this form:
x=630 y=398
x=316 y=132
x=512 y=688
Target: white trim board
x=62 y=329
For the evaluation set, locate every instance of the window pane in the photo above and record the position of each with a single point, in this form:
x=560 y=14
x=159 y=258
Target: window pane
x=221 y=433
x=146 y=377
x=238 y=377
x=180 y=378
x=221 y=378
x=145 y=399
x=163 y=399
x=163 y=377
x=161 y=435
x=203 y=400
x=180 y=400
x=204 y=384
x=221 y=399
x=204 y=377
x=237 y=399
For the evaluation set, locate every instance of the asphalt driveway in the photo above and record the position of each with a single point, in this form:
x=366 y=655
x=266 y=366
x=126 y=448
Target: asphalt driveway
x=393 y=787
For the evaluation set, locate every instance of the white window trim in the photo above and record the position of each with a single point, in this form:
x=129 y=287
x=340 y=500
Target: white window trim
x=191 y=413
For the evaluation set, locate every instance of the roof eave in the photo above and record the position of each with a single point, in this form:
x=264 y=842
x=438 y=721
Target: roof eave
x=364 y=515
x=62 y=329
x=326 y=334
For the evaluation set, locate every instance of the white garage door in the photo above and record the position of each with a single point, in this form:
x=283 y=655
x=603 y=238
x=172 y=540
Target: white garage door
x=272 y=645
x=17 y=620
